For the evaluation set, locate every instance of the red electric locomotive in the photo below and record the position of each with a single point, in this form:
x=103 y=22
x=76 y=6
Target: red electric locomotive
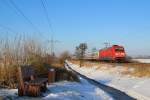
x=114 y=53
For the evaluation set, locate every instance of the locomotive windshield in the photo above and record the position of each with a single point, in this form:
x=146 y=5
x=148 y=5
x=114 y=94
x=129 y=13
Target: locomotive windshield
x=119 y=49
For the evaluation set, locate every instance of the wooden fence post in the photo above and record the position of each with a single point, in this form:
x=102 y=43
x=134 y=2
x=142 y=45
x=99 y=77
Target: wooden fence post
x=21 y=90
x=51 y=76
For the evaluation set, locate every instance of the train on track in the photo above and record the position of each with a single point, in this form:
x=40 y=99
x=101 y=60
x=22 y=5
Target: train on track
x=115 y=53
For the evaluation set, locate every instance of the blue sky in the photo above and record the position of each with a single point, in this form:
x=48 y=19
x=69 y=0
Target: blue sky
x=124 y=22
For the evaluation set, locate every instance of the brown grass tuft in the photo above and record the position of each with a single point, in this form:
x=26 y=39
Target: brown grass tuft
x=134 y=69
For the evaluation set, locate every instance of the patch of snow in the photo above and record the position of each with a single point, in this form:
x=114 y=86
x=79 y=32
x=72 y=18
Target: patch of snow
x=101 y=93
x=142 y=60
x=136 y=87
x=8 y=92
x=75 y=91
x=64 y=91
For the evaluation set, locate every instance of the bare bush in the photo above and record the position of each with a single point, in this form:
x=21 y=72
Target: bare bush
x=18 y=51
x=64 y=56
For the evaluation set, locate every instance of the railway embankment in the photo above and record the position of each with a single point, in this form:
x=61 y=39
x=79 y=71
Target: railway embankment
x=118 y=76
x=115 y=93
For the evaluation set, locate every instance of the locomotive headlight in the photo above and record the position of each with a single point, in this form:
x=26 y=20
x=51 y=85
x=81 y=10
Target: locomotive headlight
x=122 y=54
x=119 y=54
x=116 y=54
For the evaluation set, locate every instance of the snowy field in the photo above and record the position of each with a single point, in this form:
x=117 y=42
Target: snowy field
x=136 y=87
x=142 y=60
x=63 y=91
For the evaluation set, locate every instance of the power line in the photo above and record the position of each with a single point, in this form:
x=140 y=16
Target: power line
x=28 y=20
x=7 y=28
x=6 y=3
x=43 y=2
x=52 y=41
x=107 y=44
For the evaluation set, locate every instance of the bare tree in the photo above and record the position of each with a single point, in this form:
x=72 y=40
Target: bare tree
x=80 y=52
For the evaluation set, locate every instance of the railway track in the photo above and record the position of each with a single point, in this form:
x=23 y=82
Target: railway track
x=115 y=93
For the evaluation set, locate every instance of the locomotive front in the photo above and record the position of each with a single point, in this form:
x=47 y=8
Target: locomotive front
x=119 y=53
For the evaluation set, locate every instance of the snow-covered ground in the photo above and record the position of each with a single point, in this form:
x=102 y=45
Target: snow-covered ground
x=63 y=91
x=76 y=91
x=142 y=60
x=136 y=87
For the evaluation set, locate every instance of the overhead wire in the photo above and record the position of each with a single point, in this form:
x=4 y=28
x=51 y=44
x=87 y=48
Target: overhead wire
x=7 y=28
x=25 y=17
x=43 y=2
x=12 y=8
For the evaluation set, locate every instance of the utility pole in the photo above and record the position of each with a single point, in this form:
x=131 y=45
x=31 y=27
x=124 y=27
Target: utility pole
x=107 y=44
x=52 y=44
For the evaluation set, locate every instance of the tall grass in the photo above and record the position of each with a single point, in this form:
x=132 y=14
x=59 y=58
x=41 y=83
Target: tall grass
x=18 y=51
